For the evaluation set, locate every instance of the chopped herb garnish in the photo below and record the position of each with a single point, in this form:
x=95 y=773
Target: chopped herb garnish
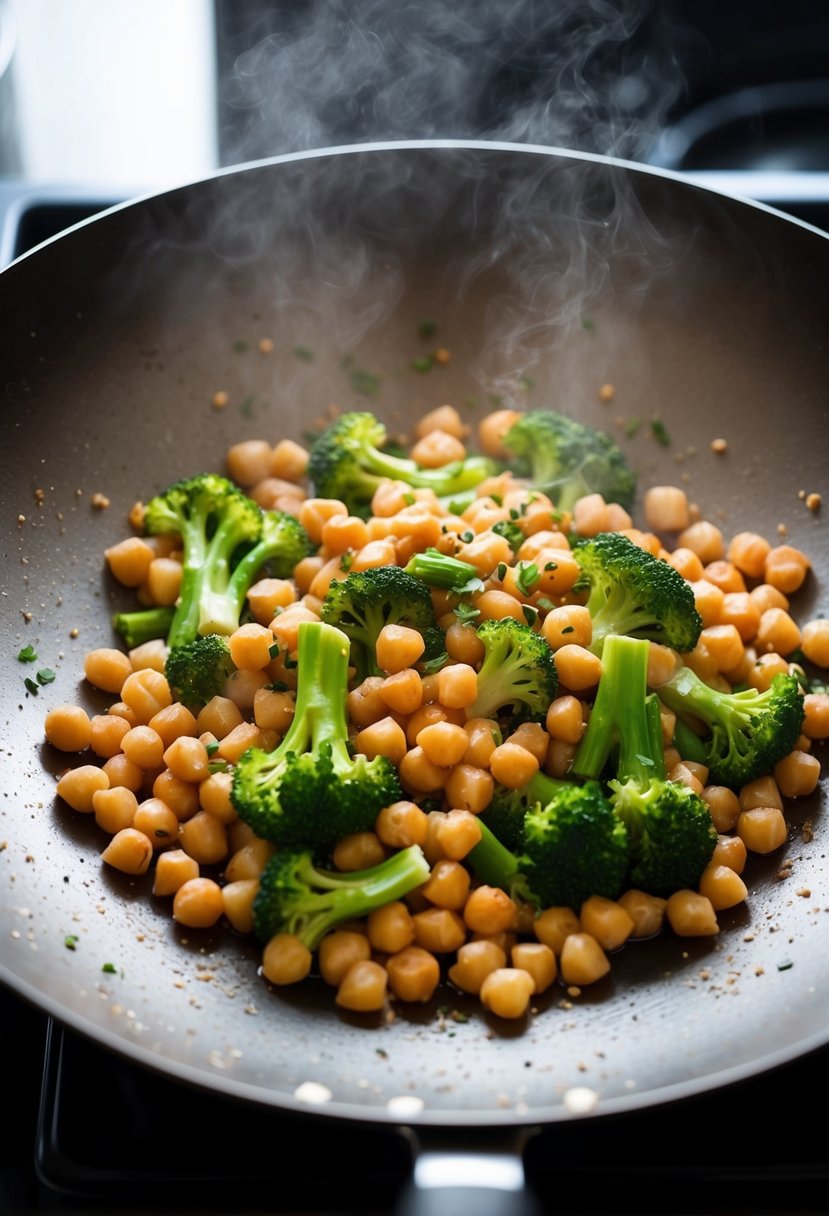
x=289 y=662
x=423 y=363
x=497 y=737
x=303 y=352
x=632 y=426
x=274 y=651
x=497 y=499
x=427 y=329
x=467 y=537
x=211 y=748
x=546 y=604
x=246 y=406
x=785 y=965
x=530 y=613
x=501 y=571
x=27 y=655
x=277 y=686
x=70 y=941
x=346 y=561
x=241 y=345
x=429 y=666
x=110 y=968
x=568 y=629
x=588 y=323
x=466 y=613
x=550 y=566
x=218 y=766
x=527 y=576
x=31 y=685
x=660 y=433
x=382 y=1053
x=409 y=499
x=46 y=676
x=514 y=513
x=364 y=382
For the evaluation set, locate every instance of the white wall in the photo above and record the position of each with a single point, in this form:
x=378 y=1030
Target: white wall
x=117 y=93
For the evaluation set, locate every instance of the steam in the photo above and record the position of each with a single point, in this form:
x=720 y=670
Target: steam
x=593 y=75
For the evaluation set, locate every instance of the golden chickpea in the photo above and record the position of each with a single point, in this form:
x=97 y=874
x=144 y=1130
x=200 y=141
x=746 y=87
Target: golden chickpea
x=489 y=910
x=506 y=992
x=285 y=960
x=338 y=951
x=67 y=727
x=554 y=925
x=107 y=669
x=78 y=786
x=474 y=962
x=414 y=974
x=363 y=987
x=538 y=960
x=390 y=928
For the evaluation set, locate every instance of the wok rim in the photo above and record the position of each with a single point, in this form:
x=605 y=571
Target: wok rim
x=424 y=145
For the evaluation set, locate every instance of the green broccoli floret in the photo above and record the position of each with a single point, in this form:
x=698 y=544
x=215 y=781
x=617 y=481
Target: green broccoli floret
x=507 y=808
x=347 y=462
x=143 y=625
x=283 y=543
x=199 y=670
x=565 y=459
x=630 y=591
x=310 y=791
x=671 y=833
x=367 y=600
x=296 y=896
x=571 y=846
x=517 y=673
x=746 y=732
x=214 y=520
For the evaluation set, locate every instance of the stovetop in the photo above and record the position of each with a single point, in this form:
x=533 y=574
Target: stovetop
x=89 y=1132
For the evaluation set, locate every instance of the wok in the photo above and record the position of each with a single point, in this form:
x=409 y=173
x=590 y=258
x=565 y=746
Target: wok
x=549 y=273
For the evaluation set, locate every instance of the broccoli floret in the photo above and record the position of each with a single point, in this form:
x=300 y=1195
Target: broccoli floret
x=746 y=732
x=199 y=670
x=517 y=673
x=310 y=791
x=571 y=846
x=565 y=459
x=347 y=462
x=296 y=896
x=214 y=520
x=671 y=833
x=282 y=544
x=143 y=625
x=632 y=592
x=367 y=600
x=507 y=808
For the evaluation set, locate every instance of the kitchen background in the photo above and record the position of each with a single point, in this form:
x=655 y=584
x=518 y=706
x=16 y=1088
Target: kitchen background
x=104 y=100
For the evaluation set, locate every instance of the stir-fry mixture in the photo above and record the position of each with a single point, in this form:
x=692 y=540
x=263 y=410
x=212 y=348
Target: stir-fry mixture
x=440 y=712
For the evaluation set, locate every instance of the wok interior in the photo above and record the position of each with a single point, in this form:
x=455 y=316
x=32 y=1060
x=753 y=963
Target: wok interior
x=547 y=275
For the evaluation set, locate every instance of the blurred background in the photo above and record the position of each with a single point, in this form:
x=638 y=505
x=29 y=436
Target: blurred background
x=102 y=100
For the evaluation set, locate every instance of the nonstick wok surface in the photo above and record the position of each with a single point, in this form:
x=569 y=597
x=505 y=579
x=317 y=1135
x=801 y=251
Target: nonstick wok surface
x=548 y=274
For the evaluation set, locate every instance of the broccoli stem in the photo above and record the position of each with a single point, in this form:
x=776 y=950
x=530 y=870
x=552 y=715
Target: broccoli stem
x=334 y=897
x=143 y=625
x=322 y=681
x=446 y=481
x=622 y=714
x=440 y=570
